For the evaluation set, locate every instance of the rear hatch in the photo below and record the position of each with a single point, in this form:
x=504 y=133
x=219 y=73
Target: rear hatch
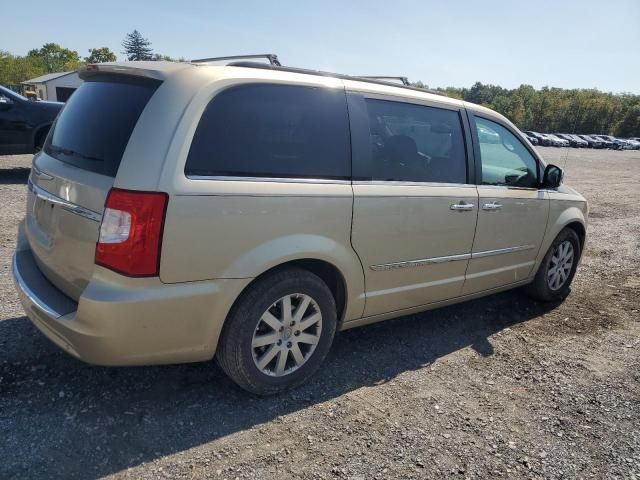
x=74 y=172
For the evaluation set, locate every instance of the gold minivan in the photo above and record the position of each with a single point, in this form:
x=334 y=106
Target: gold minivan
x=181 y=211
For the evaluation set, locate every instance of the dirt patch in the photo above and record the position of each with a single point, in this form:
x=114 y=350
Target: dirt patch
x=499 y=387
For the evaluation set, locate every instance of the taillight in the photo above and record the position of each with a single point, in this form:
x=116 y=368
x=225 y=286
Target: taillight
x=131 y=232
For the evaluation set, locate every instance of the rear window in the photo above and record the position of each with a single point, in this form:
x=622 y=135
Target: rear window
x=94 y=127
x=276 y=131
x=415 y=143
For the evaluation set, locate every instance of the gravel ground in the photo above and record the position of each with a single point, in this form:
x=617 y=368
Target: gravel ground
x=498 y=387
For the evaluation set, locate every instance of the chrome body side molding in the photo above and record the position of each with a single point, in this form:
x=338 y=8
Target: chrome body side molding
x=449 y=258
x=500 y=251
x=420 y=262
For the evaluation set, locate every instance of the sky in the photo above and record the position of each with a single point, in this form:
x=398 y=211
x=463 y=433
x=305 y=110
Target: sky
x=568 y=44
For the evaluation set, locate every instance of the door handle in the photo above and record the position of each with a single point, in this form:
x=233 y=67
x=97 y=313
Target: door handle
x=462 y=206
x=492 y=207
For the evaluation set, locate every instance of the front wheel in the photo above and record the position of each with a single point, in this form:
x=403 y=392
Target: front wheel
x=279 y=332
x=555 y=274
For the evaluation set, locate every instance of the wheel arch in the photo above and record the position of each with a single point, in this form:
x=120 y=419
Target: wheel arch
x=573 y=218
x=37 y=131
x=580 y=230
x=329 y=273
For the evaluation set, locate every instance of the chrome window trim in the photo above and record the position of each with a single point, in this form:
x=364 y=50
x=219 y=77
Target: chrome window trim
x=398 y=183
x=448 y=258
x=65 y=204
x=31 y=296
x=225 y=178
x=509 y=187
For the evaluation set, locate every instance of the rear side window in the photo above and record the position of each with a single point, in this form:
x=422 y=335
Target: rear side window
x=93 y=129
x=277 y=131
x=415 y=143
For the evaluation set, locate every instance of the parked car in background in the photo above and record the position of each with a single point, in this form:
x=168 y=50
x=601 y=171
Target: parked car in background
x=572 y=141
x=180 y=211
x=592 y=141
x=542 y=140
x=24 y=124
x=619 y=143
x=582 y=143
x=575 y=140
x=606 y=143
x=633 y=142
x=531 y=138
x=557 y=141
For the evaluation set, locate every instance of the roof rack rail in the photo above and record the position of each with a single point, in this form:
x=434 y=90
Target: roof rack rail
x=273 y=59
x=277 y=66
x=404 y=80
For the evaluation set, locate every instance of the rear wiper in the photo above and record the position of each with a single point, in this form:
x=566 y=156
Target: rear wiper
x=73 y=153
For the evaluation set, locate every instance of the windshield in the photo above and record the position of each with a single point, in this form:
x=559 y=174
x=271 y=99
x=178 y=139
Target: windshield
x=93 y=129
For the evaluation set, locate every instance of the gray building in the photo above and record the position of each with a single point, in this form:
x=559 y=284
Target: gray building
x=55 y=87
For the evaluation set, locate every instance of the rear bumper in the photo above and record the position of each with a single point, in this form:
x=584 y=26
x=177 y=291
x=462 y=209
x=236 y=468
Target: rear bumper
x=139 y=322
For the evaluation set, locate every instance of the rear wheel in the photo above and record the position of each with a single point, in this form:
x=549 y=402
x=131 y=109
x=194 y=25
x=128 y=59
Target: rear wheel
x=41 y=136
x=279 y=332
x=556 y=272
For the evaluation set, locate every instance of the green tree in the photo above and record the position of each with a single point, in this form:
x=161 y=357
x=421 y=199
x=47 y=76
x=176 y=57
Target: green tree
x=166 y=58
x=557 y=109
x=629 y=125
x=136 y=47
x=15 y=69
x=55 y=58
x=100 y=55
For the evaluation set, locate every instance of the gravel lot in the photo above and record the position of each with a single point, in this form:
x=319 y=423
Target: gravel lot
x=499 y=387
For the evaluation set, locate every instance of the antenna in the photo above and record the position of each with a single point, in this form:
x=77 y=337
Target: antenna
x=575 y=124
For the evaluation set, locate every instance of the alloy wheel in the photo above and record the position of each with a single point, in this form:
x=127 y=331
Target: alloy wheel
x=560 y=265
x=286 y=335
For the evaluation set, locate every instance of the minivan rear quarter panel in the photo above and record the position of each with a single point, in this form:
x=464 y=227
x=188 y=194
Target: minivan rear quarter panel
x=239 y=228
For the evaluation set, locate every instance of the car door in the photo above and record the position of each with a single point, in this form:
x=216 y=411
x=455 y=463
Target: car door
x=414 y=211
x=14 y=128
x=513 y=211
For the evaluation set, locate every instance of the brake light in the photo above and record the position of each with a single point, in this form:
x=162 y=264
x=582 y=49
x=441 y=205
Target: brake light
x=131 y=232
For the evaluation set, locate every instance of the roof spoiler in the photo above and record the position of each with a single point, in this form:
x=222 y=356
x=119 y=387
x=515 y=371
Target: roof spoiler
x=136 y=69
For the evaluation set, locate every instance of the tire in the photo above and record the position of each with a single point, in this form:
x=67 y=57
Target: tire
x=245 y=327
x=41 y=136
x=548 y=287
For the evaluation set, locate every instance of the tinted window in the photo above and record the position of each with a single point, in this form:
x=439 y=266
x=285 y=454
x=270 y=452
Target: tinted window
x=94 y=127
x=273 y=131
x=505 y=160
x=415 y=143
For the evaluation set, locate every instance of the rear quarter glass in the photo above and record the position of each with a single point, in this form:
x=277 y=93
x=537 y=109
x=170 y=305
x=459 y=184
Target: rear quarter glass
x=93 y=129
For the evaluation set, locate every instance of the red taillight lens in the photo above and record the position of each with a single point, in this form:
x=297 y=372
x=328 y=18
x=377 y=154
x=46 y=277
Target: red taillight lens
x=131 y=232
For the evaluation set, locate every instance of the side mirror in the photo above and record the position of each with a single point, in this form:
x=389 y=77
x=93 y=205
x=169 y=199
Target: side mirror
x=5 y=103
x=553 y=176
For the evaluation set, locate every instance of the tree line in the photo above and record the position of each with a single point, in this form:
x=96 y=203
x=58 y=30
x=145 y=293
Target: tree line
x=557 y=110
x=544 y=110
x=53 y=58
